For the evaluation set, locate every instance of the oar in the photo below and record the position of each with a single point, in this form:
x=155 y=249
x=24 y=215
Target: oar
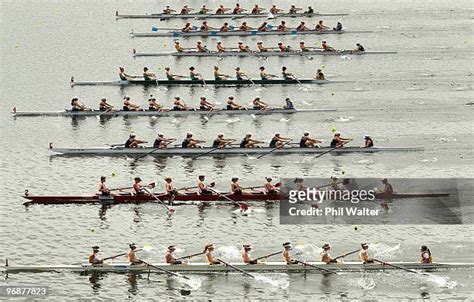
x=236 y=268
x=119 y=255
x=146 y=154
x=272 y=150
x=108 y=110
x=207 y=152
x=192 y=255
x=314 y=266
x=267 y=256
x=399 y=267
x=346 y=254
x=186 y=188
x=170 y=210
x=151 y=184
x=330 y=150
x=240 y=204
x=165 y=270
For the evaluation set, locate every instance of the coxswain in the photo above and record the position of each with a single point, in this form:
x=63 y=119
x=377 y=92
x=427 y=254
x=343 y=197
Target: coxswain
x=148 y=75
x=246 y=248
x=222 y=10
x=208 y=254
x=221 y=142
x=325 y=256
x=302 y=27
x=320 y=75
x=258 y=104
x=103 y=190
x=180 y=105
x=263 y=27
x=172 y=77
x=202 y=187
x=187 y=28
x=133 y=142
x=242 y=48
x=249 y=142
x=240 y=75
x=320 y=26
x=283 y=48
x=137 y=187
x=190 y=142
x=123 y=76
x=201 y=47
x=279 y=141
x=368 y=142
x=185 y=10
x=169 y=187
x=388 y=188
x=426 y=255
x=275 y=10
x=294 y=9
x=77 y=106
x=131 y=255
x=204 y=27
x=129 y=106
x=168 y=10
x=169 y=258
x=153 y=105
x=359 y=48
x=286 y=254
x=326 y=46
x=256 y=10
x=238 y=10
x=309 y=11
x=281 y=26
x=269 y=187
x=219 y=76
x=287 y=75
x=161 y=142
x=94 y=258
x=232 y=105
x=288 y=104
x=338 y=26
x=204 y=10
x=308 y=142
x=338 y=141
x=244 y=27
x=364 y=254
x=264 y=75
x=260 y=47
x=204 y=104
x=104 y=106
x=235 y=187
x=194 y=75
x=225 y=27
x=219 y=47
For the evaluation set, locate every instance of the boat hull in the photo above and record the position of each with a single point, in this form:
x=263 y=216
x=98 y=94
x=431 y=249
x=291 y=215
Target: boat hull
x=223 y=16
x=241 y=33
x=259 y=54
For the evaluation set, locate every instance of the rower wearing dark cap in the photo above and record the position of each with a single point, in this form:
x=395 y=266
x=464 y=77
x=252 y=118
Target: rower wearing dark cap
x=103 y=190
x=288 y=104
x=246 y=248
x=129 y=106
x=137 y=187
x=281 y=26
x=287 y=75
x=359 y=48
x=169 y=258
x=269 y=187
x=148 y=75
x=249 y=142
x=307 y=141
x=264 y=75
x=425 y=255
x=286 y=254
x=364 y=254
x=194 y=75
x=258 y=104
x=131 y=255
x=235 y=187
x=294 y=9
x=302 y=27
x=320 y=75
x=94 y=258
x=190 y=142
x=153 y=105
x=388 y=188
x=204 y=104
x=309 y=11
x=369 y=143
x=123 y=76
x=338 y=26
x=260 y=47
x=225 y=27
x=279 y=141
x=104 y=106
x=256 y=10
x=232 y=104
x=202 y=186
x=338 y=141
x=180 y=105
x=325 y=257
x=263 y=27
x=211 y=260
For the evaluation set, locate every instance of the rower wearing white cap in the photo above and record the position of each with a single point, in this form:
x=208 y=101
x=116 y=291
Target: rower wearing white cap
x=325 y=256
x=364 y=254
x=201 y=47
x=258 y=104
x=225 y=27
x=281 y=26
x=169 y=258
x=219 y=76
x=246 y=248
x=302 y=27
x=180 y=105
x=260 y=47
x=279 y=141
x=338 y=141
x=94 y=258
x=368 y=142
x=221 y=142
x=211 y=260
x=133 y=142
x=161 y=142
x=286 y=254
x=242 y=48
x=326 y=46
x=244 y=27
x=204 y=104
x=190 y=142
x=269 y=187
x=219 y=47
x=249 y=142
x=307 y=141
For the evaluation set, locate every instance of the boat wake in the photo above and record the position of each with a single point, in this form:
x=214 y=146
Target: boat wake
x=279 y=281
x=429 y=160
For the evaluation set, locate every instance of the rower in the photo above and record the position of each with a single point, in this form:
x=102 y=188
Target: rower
x=279 y=141
x=294 y=9
x=369 y=143
x=325 y=256
x=222 y=10
x=187 y=28
x=246 y=248
x=309 y=11
x=77 y=106
x=209 y=257
x=320 y=26
x=244 y=27
x=320 y=75
x=275 y=10
x=148 y=75
x=302 y=27
x=240 y=75
x=264 y=75
x=232 y=105
x=161 y=142
x=269 y=188
x=204 y=27
x=104 y=106
x=169 y=258
x=299 y=183
x=137 y=187
x=256 y=10
x=281 y=26
x=133 y=142
x=185 y=10
x=364 y=254
x=426 y=255
x=131 y=255
x=263 y=27
x=180 y=105
x=335 y=184
x=170 y=76
x=338 y=26
x=308 y=142
x=123 y=76
x=200 y=47
x=260 y=47
x=249 y=142
x=326 y=46
x=219 y=47
x=169 y=187
x=103 y=190
x=388 y=188
x=202 y=187
x=219 y=76
x=194 y=75
x=221 y=142
x=235 y=187
x=286 y=254
x=259 y=104
x=287 y=75
x=238 y=10
x=288 y=104
x=168 y=10
x=225 y=27
x=359 y=48
x=190 y=142
x=94 y=258
x=204 y=104
x=204 y=10
x=129 y=106
x=283 y=48
x=338 y=141
x=153 y=105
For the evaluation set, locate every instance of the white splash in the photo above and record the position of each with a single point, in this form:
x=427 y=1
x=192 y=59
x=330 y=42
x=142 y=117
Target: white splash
x=232 y=120
x=384 y=250
x=447 y=139
x=429 y=160
x=284 y=120
x=366 y=282
x=281 y=283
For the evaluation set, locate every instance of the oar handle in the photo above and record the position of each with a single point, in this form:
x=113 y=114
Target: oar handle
x=395 y=266
x=268 y=256
x=314 y=266
x=347 y=254
x=190 y=256
x=119 y=255
x=165 y=270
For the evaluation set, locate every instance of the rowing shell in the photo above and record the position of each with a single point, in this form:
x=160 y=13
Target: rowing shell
x=166 y=113
x=223 y=16
x=258 y=53
x=233 y=83
x=243 y=33
x=206 y=268
x=109 y=151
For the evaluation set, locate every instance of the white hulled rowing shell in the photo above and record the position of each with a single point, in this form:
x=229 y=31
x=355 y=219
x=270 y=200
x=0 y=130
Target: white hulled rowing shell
x=166 y=113
x=109 y=151
x=204 y=267
x=224 y=16
x=258 y=53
